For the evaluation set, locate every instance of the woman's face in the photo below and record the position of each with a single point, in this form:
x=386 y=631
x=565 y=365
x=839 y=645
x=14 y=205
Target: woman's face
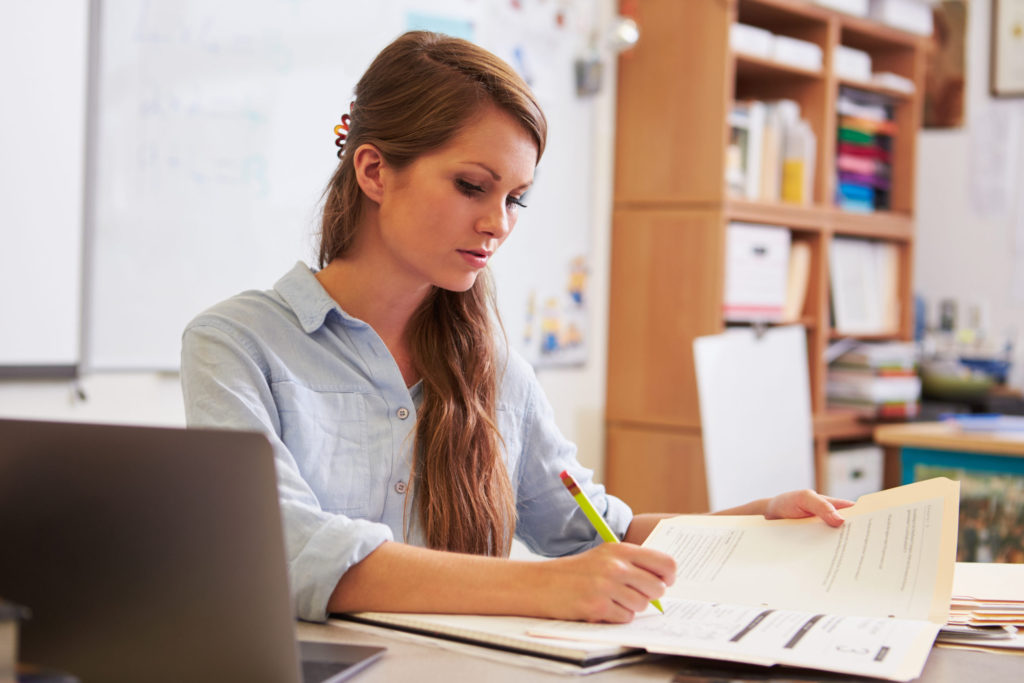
x=444 y=215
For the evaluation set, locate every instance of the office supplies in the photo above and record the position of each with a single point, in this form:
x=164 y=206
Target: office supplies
x=867 y=598
x=599 y=523
x=151 y=554
x=755 y=412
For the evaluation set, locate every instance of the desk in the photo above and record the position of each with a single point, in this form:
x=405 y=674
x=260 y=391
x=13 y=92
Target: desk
x=406 y=660
x=990 y=468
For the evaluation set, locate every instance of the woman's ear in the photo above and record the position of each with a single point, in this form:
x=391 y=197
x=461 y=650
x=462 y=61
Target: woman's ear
x=368 y=163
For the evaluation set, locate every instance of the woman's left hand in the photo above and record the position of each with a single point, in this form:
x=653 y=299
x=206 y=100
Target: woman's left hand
x=806 y=503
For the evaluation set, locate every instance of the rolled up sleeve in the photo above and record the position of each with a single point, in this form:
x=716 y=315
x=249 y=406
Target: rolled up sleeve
x=227 y=384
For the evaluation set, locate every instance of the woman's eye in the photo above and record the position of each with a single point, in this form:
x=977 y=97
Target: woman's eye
x=467 y=188
x=515 y=201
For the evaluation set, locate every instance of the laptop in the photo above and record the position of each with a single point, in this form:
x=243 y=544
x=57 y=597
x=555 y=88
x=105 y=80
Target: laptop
x=152 y=554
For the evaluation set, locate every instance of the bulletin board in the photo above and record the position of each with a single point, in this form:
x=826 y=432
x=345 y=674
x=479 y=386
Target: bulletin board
x=214 y=142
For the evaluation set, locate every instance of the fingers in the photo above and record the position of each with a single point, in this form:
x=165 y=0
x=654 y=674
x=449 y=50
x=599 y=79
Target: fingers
x=806 y=503
x=839 y=503
x=616 y=580
x=822 y=507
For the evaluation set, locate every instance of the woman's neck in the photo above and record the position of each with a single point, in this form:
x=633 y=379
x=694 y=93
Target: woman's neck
x=364 y=292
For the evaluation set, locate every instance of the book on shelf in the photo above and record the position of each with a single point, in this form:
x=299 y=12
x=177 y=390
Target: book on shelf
x=798 y=279
x=771 y=153
x=864 y=150
x=864 y=285
x=743 y=157
x=867 y=598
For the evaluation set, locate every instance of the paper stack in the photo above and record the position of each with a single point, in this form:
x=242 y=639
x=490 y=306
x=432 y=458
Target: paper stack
x=864 y=158
x=878 y=379
x=987 y=607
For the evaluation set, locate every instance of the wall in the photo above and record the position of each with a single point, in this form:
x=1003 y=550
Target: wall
x=970 y=245
x=576 y=393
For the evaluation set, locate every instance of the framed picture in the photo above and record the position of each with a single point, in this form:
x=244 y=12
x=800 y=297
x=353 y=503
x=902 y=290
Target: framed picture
x=991 y=525
x=1007 y=69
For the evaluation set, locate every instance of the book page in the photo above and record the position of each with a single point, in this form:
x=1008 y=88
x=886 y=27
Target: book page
x=893 y=556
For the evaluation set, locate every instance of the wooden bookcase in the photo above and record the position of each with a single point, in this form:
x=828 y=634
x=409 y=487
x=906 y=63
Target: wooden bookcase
x=671 y=209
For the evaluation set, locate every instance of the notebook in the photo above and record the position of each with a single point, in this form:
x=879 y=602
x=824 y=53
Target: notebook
x=501 y=632
x=151 y=554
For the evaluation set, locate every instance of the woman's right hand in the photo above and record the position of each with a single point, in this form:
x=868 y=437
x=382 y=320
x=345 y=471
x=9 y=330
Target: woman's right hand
x=609 y=583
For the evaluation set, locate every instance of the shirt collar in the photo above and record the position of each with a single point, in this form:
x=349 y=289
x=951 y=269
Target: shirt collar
x=308 y=299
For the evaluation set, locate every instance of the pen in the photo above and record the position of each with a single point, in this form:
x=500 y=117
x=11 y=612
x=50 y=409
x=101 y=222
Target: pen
x=603 y=530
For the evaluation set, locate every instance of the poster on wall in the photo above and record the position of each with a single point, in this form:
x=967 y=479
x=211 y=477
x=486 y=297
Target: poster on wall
x=1007 y=77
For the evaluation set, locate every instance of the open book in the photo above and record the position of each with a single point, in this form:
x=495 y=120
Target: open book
x=867 y=598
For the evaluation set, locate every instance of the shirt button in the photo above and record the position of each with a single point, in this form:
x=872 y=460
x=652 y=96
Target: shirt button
x=400 y=486
x=402 y=413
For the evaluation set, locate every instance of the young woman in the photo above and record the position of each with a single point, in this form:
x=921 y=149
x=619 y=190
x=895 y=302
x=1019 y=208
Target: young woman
x=411 y=444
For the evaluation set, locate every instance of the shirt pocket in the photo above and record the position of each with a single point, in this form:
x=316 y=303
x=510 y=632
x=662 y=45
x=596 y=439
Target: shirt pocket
x=327 y=435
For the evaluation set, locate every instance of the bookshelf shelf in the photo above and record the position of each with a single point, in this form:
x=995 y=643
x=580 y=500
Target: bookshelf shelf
x=749 y=67
x=672 y=206
x=893 y=94
x=888 y=225
x=834 y=335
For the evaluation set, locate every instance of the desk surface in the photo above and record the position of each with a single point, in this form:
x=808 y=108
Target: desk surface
x=422 y=660
x=948 y=437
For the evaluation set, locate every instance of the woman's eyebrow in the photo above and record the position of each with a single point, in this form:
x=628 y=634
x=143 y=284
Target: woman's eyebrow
x=496 y=176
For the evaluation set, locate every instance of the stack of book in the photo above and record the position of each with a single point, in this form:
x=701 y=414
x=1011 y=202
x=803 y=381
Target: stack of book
x=879 y=380
x=771 y=152
x=864 y=155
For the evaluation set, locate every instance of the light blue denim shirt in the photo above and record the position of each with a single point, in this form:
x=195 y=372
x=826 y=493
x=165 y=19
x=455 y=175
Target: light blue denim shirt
x=327 y=392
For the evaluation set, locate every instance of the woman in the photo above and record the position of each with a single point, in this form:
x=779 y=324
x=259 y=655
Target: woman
x=410 y=443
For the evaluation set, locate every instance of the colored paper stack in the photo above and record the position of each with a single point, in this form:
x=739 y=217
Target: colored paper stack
x=879 y=380
x=863 y=162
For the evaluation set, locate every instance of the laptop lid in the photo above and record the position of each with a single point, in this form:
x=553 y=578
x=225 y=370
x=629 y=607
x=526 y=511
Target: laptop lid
x=144 y=553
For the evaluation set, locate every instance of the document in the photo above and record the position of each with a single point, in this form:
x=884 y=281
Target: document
x=867 y=598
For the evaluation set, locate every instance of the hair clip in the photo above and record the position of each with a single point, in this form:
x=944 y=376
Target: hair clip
x=341 y=130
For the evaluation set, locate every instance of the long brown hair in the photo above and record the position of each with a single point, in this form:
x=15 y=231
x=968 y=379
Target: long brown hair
x=415 y=97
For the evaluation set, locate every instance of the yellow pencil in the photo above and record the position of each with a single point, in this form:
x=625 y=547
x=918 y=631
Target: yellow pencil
x=603 y=530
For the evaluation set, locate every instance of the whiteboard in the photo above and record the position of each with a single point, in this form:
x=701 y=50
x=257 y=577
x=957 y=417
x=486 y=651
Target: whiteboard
x=755 y=413
x=215 y=141
x=42 y=171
